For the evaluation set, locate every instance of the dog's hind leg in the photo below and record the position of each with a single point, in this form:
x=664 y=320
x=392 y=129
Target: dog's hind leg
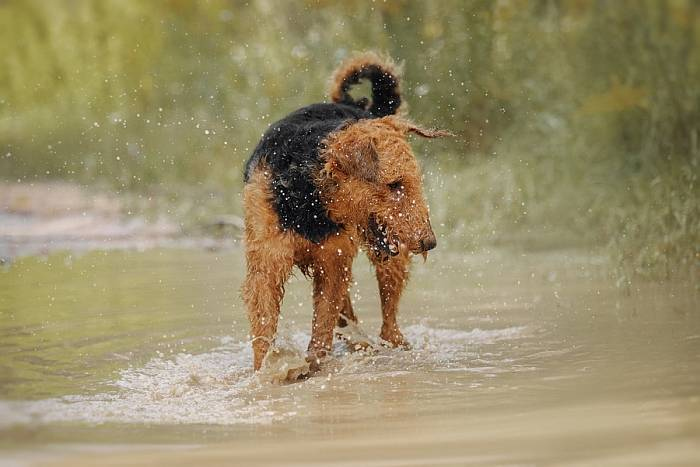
x=269 y=260
x=347 y=315
x=392 y=275
x=349 y=331
x=262 y=291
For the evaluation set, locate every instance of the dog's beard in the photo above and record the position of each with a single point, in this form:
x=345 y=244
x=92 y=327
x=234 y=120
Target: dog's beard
x=379 y=240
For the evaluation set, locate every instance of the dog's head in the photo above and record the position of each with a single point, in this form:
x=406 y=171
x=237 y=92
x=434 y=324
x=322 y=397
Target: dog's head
x=371 y=180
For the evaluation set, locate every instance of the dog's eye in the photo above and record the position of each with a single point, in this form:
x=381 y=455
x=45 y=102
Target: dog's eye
x=395 y=186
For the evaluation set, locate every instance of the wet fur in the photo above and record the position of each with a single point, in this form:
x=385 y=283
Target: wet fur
x=322 y=183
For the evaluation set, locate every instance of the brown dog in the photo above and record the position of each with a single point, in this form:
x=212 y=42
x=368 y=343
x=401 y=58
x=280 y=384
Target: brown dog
x=323 y=182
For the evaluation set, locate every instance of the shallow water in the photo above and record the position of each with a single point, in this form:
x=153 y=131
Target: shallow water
x=141 y=358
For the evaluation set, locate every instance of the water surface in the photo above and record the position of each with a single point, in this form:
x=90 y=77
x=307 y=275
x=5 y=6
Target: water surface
x=518 y=358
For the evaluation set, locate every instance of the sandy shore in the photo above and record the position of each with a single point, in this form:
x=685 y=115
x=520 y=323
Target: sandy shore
x=39 y=218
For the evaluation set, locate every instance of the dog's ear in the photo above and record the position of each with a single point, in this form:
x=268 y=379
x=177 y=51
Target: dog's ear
x=427 y=133
x=352 y=151
x=407 y=126
x=360 y=160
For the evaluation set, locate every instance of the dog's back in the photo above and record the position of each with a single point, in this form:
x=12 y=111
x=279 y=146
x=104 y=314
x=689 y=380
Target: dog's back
x=290 y=149
x=296 y=138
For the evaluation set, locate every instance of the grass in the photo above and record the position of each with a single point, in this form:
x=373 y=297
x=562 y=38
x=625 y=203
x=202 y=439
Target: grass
x=578 y=122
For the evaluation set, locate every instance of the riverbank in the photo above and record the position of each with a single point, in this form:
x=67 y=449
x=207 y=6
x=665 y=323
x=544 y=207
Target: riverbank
x=37 y=219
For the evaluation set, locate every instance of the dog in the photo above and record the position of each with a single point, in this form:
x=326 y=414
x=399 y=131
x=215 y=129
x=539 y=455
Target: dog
x=322 y=183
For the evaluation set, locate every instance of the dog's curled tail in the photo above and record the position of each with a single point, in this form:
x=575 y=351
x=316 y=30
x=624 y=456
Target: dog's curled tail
x=381 y=72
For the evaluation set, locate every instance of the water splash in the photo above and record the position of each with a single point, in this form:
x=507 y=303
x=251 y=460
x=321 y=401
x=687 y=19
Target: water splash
x=219 y=387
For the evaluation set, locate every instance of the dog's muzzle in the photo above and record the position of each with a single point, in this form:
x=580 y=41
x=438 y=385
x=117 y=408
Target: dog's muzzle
x=379 y=239
x=428 y=242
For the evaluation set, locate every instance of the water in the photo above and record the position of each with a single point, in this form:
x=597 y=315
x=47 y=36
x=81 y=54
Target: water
x=141 y=358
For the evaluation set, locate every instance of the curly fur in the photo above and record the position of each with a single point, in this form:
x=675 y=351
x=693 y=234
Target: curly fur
x=323 y=182
x=380 y=71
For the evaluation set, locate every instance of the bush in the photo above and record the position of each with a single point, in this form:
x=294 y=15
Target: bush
x=577 y=120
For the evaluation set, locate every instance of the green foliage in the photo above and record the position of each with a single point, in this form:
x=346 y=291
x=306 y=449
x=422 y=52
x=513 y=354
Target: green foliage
x=577 y=120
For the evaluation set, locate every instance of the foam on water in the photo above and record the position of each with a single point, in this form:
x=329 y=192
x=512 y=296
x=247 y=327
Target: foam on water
x=218 y=387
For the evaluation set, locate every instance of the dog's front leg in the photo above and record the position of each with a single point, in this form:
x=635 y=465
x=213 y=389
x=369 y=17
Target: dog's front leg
x=392 y=275
x=331 y=276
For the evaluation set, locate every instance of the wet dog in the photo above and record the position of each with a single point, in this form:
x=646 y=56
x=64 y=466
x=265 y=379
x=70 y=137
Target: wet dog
x=322 y=183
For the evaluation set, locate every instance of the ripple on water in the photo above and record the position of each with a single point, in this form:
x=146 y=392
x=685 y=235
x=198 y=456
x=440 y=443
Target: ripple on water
x=218 y=387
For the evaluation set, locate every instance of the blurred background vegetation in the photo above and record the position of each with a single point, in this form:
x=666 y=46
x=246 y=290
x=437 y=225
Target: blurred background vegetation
x=577 y=120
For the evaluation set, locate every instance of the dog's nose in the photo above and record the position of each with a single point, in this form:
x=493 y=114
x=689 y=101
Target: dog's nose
x=429 y=242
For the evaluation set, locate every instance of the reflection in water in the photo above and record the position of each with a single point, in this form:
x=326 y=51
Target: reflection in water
x=511 y=362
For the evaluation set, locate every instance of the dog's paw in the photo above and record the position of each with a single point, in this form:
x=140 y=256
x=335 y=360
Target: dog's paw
x=314 y=358
x=283 y=365
x=355 y=338
x=363 y=345
x=395 y=341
